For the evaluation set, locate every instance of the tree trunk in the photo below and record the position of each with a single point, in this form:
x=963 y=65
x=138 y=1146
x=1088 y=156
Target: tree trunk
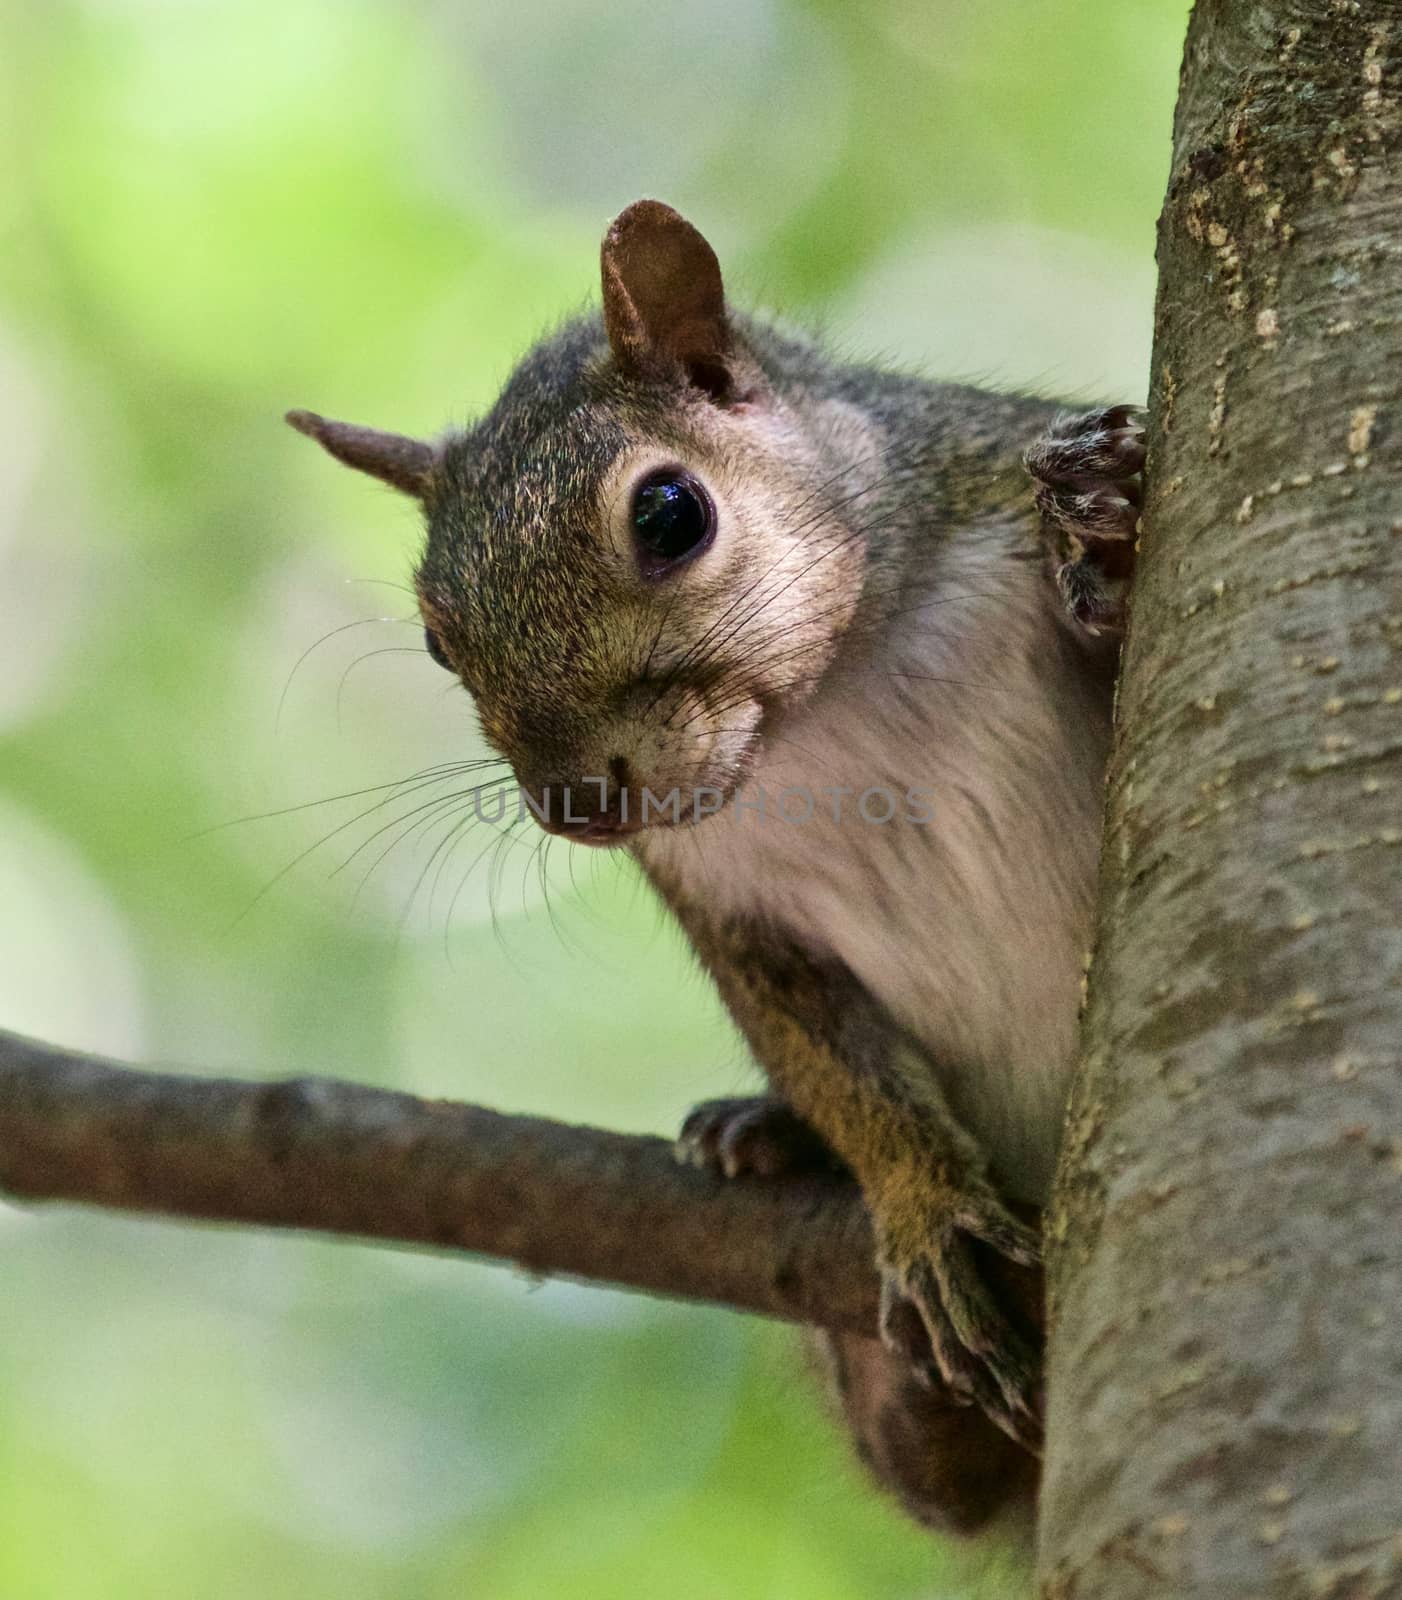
x=1226 y=1367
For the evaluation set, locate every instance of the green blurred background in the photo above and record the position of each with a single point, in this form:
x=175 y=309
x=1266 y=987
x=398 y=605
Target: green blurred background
x=211 y=211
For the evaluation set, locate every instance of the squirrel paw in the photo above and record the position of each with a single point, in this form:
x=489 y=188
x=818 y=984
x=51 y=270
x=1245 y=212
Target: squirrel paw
x=754 y=1135
x=943 y=1309
x=1086 y=471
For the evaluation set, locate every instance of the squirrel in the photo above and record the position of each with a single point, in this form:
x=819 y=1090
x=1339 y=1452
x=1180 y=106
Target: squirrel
x=811 y=611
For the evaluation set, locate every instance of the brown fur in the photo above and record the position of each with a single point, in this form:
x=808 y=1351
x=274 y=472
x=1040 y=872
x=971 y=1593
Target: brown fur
x=946 y=1464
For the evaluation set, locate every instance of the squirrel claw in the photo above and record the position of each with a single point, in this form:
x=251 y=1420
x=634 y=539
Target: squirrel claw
x=1001 y=1231
x=754 y=1135
x=940 y=1312
x=1085 y=469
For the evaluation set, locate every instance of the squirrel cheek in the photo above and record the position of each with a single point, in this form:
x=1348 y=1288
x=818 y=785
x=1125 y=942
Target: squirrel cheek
x=729 y=735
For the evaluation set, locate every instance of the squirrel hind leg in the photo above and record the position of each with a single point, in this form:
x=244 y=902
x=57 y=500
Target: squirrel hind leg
x=948 y=1466
x=1086 y=475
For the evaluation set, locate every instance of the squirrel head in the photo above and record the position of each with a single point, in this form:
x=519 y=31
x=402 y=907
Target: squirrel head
x=640 y=560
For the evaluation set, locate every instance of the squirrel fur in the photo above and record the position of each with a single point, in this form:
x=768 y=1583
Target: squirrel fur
x=881 y=602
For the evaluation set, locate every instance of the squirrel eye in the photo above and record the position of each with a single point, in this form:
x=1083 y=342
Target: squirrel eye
x=434 y=645
x=672 y=515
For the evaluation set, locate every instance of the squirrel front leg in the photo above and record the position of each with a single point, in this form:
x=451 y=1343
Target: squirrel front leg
x=942 y=1459
x=837 y=1060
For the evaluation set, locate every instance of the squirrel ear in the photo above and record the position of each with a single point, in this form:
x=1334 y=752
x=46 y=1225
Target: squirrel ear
x=664 y=306
x=407 y=464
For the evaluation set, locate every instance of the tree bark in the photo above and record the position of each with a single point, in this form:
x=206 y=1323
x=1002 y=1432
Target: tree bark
x=1226 y=1363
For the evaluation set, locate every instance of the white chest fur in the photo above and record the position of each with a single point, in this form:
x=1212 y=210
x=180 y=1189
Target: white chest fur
x=969 y=926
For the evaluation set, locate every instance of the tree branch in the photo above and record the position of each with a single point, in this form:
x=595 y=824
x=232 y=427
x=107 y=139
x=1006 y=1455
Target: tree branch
x=315 y=1153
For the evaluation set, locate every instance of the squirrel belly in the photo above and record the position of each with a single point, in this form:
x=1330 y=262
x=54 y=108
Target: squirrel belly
x=930 y=819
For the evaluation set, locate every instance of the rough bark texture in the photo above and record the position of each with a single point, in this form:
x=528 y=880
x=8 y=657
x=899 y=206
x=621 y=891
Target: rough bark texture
x=341 y=1158
x=1226 y=1367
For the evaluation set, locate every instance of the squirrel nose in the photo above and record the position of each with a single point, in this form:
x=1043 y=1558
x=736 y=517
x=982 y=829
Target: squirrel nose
x=590 y=810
